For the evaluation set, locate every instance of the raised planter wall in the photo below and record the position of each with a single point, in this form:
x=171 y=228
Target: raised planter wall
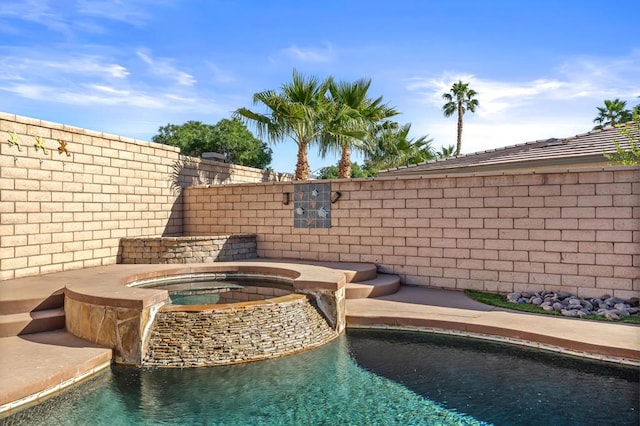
x=203 y=249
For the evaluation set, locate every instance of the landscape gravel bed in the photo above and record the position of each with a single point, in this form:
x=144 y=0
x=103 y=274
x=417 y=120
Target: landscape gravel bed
x=567 y=304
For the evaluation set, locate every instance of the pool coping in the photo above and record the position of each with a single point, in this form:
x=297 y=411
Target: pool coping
x=110 y=284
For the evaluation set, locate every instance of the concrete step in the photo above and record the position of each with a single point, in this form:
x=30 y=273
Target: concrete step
x=353 y=272
x=32 y=303
x=30 y=294
x=32 y=322
x=382 y=285
x=36 y=366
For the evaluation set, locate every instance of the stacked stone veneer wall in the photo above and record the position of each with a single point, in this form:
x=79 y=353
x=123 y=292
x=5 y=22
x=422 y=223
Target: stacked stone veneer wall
x=238 y=333
x=61 y=212
x=573 y=230
x=219 y=248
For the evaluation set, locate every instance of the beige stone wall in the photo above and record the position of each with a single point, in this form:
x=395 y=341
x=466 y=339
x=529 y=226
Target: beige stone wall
x=577 y=231
x=61 y=212
x=238 y=333
x=219 y=248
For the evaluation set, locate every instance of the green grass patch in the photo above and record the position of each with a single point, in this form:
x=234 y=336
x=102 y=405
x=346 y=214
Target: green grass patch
x=499 y=301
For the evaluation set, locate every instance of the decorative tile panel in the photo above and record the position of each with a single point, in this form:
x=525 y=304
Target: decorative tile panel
x=312 y=205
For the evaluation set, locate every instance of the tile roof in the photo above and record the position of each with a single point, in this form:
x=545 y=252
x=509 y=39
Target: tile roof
x=586 y=147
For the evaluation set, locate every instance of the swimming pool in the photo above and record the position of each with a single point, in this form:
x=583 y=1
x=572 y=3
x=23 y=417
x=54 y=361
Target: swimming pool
x=364 y=377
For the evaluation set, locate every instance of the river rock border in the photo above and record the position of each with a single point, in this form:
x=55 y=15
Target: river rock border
x=569 y=305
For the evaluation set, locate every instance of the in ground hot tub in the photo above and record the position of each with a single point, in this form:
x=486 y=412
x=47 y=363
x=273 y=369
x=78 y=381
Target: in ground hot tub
x=219 y=288
x=286 y=308
x=228 y=318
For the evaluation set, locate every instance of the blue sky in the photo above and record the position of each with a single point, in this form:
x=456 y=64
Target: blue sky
x=128 y=67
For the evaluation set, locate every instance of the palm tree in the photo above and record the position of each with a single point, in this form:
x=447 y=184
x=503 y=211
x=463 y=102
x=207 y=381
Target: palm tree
x=394 y=148
x=614 y=112
x=351 y=121
x=461 y=99
x=445 y=151
x=297 y=111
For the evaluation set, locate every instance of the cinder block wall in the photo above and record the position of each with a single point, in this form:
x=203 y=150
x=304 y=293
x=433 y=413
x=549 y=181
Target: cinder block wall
x=60 y=212
x=577 y=231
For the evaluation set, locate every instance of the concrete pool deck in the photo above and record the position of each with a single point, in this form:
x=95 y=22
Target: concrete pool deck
x=437 y=310
x=33 y=366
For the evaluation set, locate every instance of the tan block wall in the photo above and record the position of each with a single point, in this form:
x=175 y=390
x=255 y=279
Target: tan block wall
x=60 y=212
x=577 y=231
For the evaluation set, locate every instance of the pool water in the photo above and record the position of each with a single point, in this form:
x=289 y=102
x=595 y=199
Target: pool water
x=211 y=289
x=195 y=298
x=364 y=377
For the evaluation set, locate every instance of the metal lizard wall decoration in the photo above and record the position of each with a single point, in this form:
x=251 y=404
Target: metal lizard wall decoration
x=63 y=148
x=40 y=145
x=13 y=141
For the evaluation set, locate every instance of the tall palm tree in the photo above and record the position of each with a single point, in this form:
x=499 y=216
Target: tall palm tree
x=614 y=112
x=297 y=111
x=352 y=120
x=459 y=99
x=394 y=148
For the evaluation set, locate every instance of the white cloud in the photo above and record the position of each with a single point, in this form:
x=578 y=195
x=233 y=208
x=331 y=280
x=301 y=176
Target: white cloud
x=494 y=96
x=180 y=98
x=84 y=95
x=78 y=80
x=89 y=66
x=92 y=95
x=310 y=54
x=109 y=90
x=35 y=66
x=163 y=67
x=70 y=18
x=219 y=75
x=129 y=11
x=36 y=11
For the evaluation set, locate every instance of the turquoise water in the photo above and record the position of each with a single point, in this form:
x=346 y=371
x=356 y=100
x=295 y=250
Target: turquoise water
x=204 y=290
x=195 y=299
x=363 y=378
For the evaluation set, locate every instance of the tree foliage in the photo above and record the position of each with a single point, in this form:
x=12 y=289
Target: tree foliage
x=229 y=137
x=297 y=111
x=613 y=113
x=338 y=117
x=630 y=132
x=357 y=171
x=240 y=145
x=352 y=120
x=445 y=151
x=394 y=148
x=460 y=99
